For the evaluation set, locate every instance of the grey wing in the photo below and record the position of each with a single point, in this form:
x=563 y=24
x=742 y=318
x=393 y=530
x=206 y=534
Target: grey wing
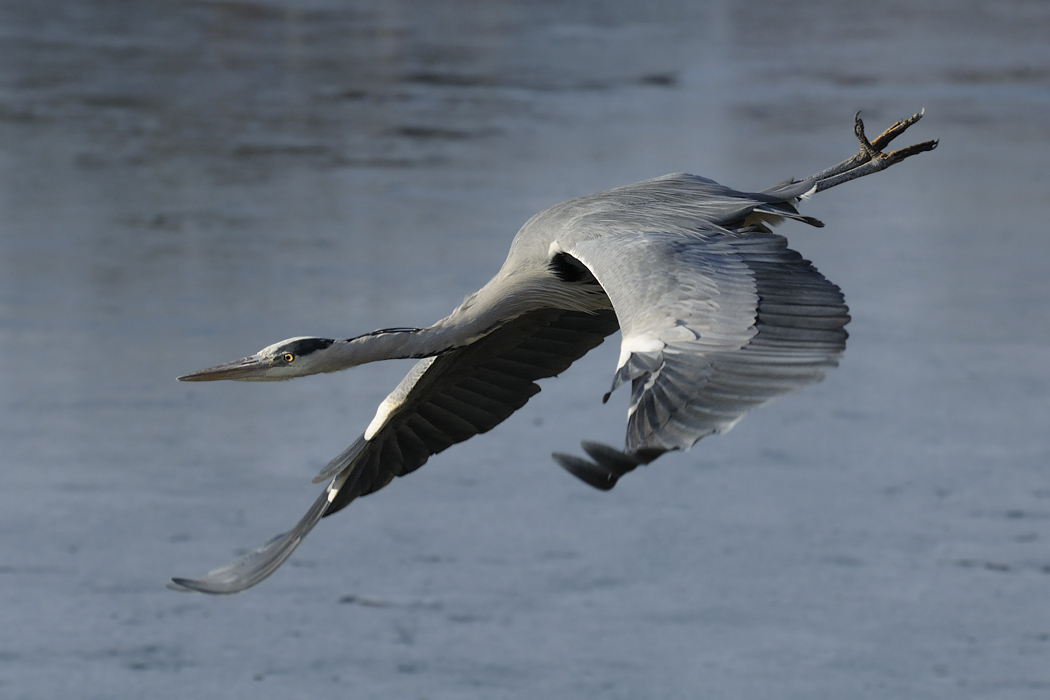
x=248 y=570
x=713 y=325
x=442 y=401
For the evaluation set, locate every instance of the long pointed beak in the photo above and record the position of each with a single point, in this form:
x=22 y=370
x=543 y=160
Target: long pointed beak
x=248 y=368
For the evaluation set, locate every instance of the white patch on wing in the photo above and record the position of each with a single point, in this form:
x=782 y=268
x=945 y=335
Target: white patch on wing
x=382 y=414
x=554 y=249
x=337 y=483
x=638 y=343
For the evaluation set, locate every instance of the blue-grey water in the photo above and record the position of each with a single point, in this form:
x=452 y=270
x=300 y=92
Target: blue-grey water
x=183 y=183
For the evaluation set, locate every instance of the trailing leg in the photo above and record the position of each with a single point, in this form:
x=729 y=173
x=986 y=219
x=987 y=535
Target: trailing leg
x=870 y=158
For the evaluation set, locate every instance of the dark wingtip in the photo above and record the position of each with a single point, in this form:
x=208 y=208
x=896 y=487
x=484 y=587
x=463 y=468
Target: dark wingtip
x=245 y=571
x=183 y=585
x=611 y=459
x=587 y=472
x=608 y=466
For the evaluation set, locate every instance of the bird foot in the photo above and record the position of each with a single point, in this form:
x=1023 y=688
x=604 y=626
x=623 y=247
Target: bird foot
x=871 y=158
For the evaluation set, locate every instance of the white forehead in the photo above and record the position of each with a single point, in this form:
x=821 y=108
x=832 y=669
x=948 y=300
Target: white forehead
x=272 y=349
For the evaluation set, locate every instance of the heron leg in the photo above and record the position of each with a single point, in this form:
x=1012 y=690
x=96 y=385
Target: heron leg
x=870 y=158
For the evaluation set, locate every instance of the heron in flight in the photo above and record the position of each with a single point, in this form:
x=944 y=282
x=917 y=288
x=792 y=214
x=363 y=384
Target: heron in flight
x=717 y=315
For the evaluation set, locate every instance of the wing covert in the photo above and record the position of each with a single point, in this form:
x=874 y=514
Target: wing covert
x=714 y=325
x=450 y=398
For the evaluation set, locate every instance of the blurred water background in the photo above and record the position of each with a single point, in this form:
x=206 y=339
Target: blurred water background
x=183 y=183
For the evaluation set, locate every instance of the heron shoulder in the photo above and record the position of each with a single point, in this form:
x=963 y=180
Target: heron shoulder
x=678 y=202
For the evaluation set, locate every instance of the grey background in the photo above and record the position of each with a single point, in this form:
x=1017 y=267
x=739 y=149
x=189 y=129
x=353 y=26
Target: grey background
x=186 y=182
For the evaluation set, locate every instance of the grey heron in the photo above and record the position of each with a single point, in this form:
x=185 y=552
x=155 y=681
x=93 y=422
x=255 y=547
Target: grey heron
x=717 y=315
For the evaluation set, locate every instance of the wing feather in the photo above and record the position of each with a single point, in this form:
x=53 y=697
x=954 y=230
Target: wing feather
x=499 y=369
x=714 y=325
x=442 y=401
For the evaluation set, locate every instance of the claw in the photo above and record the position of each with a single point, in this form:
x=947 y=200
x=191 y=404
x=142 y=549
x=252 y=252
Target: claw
x=865 y=145
x=871 y=159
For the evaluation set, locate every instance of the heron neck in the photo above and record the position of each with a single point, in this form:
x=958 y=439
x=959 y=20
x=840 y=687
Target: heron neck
x=478 y=315
x=386 y=344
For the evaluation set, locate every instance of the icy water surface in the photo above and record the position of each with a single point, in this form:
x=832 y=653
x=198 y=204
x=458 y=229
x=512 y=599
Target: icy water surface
x=184 y=183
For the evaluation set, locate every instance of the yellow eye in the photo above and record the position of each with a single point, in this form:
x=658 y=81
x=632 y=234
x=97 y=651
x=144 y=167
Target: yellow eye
x=289 y=357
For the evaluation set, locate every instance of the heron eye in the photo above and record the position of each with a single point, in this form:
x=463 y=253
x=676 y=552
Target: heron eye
x=289 y=357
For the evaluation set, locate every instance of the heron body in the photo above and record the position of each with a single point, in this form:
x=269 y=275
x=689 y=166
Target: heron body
x=717 y=316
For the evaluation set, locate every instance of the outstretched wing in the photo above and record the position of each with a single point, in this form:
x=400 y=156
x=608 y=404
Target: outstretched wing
x=450 y=398
x=714 y=325
x=443 y=400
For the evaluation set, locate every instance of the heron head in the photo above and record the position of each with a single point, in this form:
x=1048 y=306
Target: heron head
x=290 y=358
